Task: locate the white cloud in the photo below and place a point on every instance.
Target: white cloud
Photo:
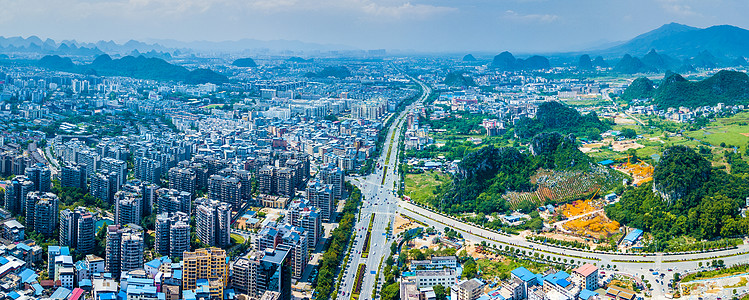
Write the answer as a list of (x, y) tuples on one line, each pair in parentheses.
[(676, 7), (529, 18), (405, 10)]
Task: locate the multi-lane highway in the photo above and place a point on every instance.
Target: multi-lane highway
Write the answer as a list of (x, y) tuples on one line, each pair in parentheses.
[(636, 265), (380, 201)]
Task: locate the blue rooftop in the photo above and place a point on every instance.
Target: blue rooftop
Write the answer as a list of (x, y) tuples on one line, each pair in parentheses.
[(633, 235), (61, 293), (38, 289), (188, 295), (107, 296), (586, 294), (84, 282), (559, 278), (28, 275), (23, 246), (606, 162), (523, 274), (156, 263)]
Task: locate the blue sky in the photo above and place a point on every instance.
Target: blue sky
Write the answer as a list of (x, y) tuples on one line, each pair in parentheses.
[(439, 25)]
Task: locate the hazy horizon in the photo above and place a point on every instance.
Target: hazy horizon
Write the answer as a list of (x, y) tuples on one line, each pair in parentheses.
[(422, 26)]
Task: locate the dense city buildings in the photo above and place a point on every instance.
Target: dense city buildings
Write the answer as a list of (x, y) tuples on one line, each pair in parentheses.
[(172, 200), (74, 176), (77, 230), (213, 219), (206, 264), (42, 212), (172, 234), (124, 248), (261, 271), (182, 179), (15, 194)]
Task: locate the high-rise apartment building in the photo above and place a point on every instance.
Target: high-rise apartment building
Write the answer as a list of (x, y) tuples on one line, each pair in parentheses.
[(182, 179), (127, 207), (147, 169), (285, 181), (266, 183), (124, 251), (321, 196), (41, 176), (78, 230), (302, 214), (263, 271), (335, 177), (89, 160), (225, 189), (286, 237), (209, 264), (41, 212), (171, 201), (15, 194), (213, 219), (104, 186), (116, 166), (172, 234), (73, 175)]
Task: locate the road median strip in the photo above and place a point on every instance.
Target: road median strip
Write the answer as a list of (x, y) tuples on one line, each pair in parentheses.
[(506, 243)]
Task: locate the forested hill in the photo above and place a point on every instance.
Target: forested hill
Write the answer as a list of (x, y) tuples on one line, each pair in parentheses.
[(689, 198), (555, 117), (135, 67), (485, 175), (729, 87)]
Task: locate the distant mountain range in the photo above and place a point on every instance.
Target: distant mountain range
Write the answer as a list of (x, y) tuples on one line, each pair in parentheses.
[(729, 87), (684, 41), (153, 48), (135, 67)]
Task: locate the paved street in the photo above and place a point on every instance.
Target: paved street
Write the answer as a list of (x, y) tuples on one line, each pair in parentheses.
[(380, 200), (638, 264)]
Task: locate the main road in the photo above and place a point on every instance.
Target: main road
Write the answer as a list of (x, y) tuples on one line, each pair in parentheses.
[(380, 203)]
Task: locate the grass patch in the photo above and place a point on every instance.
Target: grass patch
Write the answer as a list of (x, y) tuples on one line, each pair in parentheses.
[(237, 239), (501, 269), (724, 272), (598, 101), (421, 187)]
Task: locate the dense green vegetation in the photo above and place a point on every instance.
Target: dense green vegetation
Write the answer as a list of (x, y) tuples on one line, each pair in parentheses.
[(690, 199), (640, 88), (135, 67), (631, 65), (555, 117), (485, 175), (459, 79), (244, 63), (729, 87), (584, 62), (505, 61), (337, 244)]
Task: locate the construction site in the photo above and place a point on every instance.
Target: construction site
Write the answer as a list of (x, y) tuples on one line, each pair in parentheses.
[(640, 171)]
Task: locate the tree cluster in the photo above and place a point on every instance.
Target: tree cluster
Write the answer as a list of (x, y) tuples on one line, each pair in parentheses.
[(689, 198), (555, 117), (337, 244)]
